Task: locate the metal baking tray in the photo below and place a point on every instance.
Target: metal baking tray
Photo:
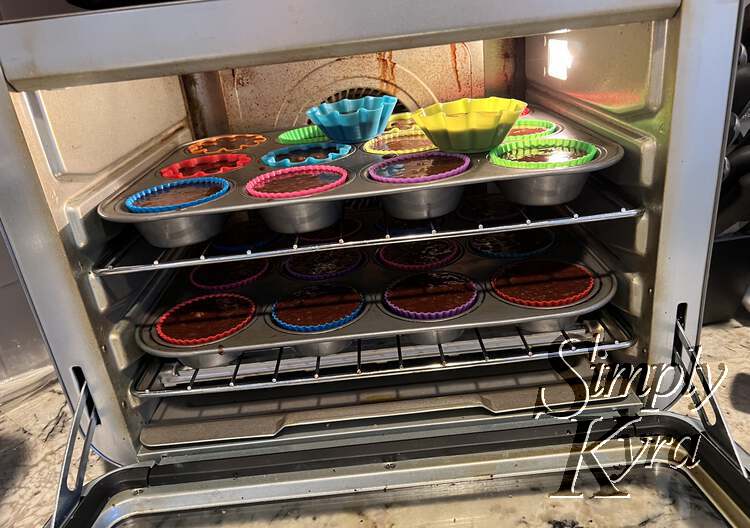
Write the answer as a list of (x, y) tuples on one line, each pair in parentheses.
[(371, 279), (358, 186)]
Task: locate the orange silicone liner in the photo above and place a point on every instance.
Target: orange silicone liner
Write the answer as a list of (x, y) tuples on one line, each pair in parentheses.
[(225, 144), (553, 303)]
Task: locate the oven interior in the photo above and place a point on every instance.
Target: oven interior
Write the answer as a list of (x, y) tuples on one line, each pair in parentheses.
[(89, 143)]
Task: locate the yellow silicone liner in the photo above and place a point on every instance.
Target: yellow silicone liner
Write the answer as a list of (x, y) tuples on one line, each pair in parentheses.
[(469, 125), (400, 117), (370, 145)]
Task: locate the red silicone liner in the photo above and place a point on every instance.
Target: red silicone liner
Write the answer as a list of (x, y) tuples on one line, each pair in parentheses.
[(261, 180), (174, 171), (207, 339), (419, 267), (229, 285), (556, 303), (465, 162)]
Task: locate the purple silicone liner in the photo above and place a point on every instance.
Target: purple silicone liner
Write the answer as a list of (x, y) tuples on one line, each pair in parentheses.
[(466, 161), (429, 316), (339, 273), (419, 267)]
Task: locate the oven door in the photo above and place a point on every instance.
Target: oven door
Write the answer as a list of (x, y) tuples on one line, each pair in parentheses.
[(551, 472)]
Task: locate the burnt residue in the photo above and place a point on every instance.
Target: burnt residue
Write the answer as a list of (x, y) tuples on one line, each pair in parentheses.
[(454, 66), (386, 69), (565, 523)]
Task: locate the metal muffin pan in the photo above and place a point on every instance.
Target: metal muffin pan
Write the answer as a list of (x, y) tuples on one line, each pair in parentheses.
[(359, 186), (371, 280)]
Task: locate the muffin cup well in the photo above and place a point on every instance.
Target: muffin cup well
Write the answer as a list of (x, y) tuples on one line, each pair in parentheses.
[(175, 170)]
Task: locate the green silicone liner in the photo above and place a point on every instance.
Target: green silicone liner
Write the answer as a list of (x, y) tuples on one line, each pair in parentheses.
[(532, 123), (497, 152), (303, 135)]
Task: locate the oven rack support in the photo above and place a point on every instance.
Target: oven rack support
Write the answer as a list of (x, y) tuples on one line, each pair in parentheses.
[(600, 333), (564, 215)]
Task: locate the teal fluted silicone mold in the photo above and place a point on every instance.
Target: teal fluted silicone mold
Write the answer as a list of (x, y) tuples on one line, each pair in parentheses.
[(353, 120)]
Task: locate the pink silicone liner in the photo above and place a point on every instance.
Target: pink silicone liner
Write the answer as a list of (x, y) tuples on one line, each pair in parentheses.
[(207, 339), (419, 267), (442, 314), (290, 172), (228, 285), (466, 161)]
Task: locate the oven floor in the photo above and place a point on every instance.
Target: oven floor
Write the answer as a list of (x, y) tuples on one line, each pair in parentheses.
[(33, 432)]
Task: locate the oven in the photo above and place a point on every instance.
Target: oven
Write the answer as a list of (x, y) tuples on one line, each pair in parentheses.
[(97, 102)]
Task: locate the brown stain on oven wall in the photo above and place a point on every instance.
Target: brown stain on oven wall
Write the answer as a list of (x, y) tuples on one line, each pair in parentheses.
[(386, 70), (454, 66)]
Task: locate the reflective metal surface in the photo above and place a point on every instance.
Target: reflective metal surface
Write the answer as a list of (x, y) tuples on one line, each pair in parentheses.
[(545, 190), (420, 205), (302, 217)]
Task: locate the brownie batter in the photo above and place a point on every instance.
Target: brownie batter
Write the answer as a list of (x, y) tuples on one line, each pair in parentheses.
[(423, 255), (226, 144), (405, 142), (543, 281), (206, 317), (526, 131), (208, 167), (317, 305), (518, 242), (178, 195), (298, 181), (544, 154), (324, 264), (217, 275), (431, 292), (420, 167), (299, 155)]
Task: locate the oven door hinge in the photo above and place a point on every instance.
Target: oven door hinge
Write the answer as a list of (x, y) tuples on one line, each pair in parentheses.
[(687, 356), (67, 499)]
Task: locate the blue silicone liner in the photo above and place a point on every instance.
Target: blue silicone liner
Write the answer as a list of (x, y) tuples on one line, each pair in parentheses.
[(353, 120), (164, 187), (517, 255), (270, 158), (322, 327)]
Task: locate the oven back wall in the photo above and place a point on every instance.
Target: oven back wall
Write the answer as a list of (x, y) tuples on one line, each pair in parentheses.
[(276, 96)]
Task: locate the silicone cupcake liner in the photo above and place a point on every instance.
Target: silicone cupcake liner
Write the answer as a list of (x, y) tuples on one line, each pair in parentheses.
[(195, 279), (225, 144), (130, 201), (469, 125), (562, 301), (353, 120), (372, 171), (393, 264), (403, 116), (515, 254), (207, 339), (289, 173), (548, 126), (324, 276), (234, 162), (270, 158), (321, 327), (372, 146), (351, 227), (590, 152), (303, 135), (526, 111), (429, 316)]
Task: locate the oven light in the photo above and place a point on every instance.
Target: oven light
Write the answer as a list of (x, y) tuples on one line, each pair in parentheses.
[(559, 59)]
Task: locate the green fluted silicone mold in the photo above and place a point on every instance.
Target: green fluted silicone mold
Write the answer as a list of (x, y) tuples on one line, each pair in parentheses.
[(469, 125), (549, 127), (496, 155), (303, 135)]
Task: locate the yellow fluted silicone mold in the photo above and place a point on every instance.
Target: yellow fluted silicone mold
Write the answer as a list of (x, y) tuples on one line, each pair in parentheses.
[(469, 125), (380, 145)]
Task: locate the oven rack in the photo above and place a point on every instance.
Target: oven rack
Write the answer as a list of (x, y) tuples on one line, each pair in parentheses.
[(596, 204), (383, 357)]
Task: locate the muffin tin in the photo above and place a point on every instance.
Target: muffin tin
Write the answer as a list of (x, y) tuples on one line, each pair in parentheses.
[(375, 321), (192, 220)]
